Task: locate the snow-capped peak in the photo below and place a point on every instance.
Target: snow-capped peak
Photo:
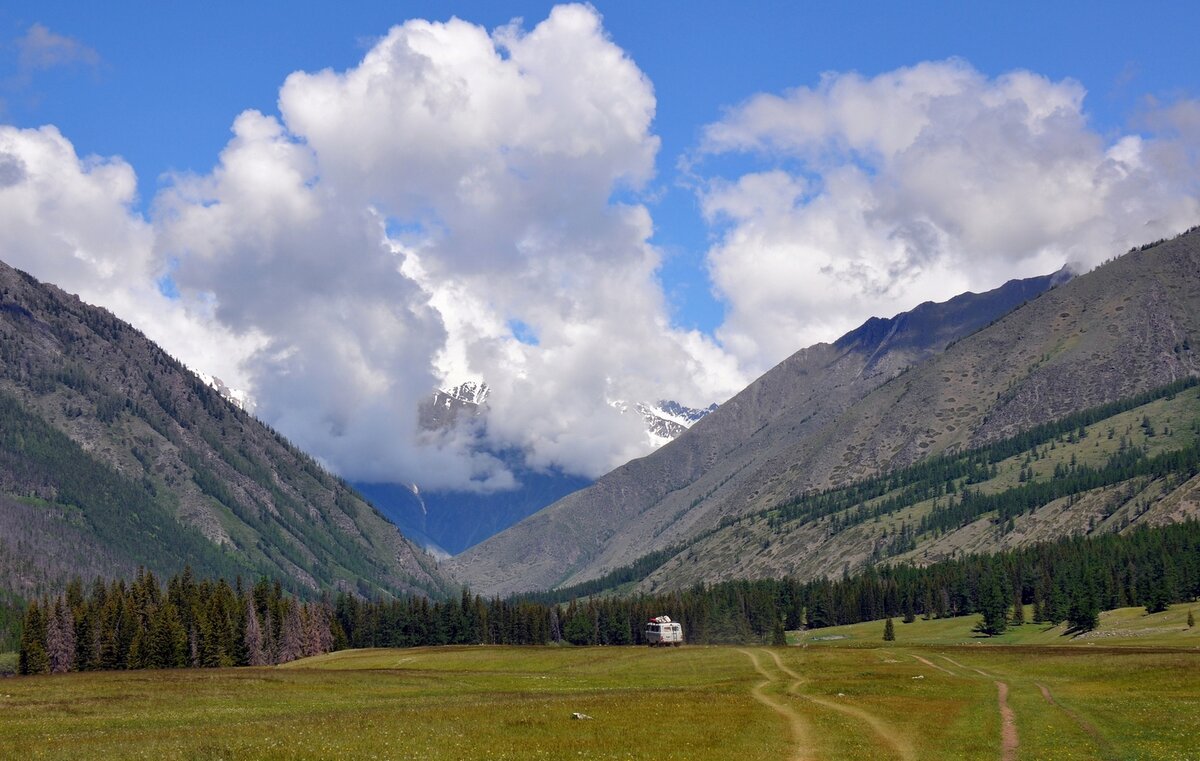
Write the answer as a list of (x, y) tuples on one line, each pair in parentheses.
[(471, 392), (665, 420), (239, 398)]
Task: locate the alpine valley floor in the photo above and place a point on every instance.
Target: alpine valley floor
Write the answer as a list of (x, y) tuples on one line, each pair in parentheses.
[(1131, 689)]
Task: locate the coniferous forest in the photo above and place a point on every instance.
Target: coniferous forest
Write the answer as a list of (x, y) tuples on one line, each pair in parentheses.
[(207, 623)]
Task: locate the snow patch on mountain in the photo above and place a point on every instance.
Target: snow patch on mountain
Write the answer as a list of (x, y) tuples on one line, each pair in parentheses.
[(664, 420), (238, 397), (469, 392)]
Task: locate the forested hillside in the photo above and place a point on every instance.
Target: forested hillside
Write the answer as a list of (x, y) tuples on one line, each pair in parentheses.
[(115, 456), (834, 414), (1100, 471), (209, 624)]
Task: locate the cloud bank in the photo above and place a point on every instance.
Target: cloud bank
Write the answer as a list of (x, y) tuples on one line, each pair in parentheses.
[(874, 194), (464, 203)]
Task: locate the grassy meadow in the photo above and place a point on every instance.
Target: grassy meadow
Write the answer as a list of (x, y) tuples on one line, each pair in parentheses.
[(1130, 691)]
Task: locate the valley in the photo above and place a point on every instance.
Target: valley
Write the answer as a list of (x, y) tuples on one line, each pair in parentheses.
[(838, 693), (599, 380)]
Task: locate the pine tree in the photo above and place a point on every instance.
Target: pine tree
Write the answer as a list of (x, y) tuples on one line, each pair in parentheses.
[(1191, 621), (167, 641), (255, 656), (993, 606), (1084, 614), (778, 636), (889, 630), (33, 658), (1018, 614), (60, 639), (291, 640)]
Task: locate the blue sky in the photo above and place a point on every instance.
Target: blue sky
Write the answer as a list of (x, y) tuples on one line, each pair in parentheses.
[(174, 75), (617, 203)]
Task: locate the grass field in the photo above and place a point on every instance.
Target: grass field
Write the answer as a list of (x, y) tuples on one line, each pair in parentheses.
[(925, 696)]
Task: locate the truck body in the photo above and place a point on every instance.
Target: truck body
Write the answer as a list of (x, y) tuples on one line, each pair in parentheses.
[(662, 631)]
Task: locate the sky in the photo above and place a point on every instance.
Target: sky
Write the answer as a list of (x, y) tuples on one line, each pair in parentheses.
[(339, 207)]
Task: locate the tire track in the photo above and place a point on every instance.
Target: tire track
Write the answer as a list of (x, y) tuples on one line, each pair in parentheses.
[(967, 668), (1009, 742), (934, 665), (796, 723), (1009, 739), (1102, 743), (888, 734)]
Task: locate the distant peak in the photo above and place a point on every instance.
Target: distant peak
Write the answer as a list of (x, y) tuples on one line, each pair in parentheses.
[(236, 396), (471, 392)]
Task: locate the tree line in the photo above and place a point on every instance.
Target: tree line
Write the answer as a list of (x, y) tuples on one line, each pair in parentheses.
[(208, 623), (187, 623)]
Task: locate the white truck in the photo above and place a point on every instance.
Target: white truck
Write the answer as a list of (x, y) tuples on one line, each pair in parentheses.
[(661, 630)]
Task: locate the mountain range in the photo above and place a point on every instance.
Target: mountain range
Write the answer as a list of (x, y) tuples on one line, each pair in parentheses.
[(939, 379), (1048, 406), (447, 522), (113, 456)]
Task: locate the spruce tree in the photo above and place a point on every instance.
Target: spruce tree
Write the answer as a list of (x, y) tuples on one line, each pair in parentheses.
[(1018, 614), (33, 658), (889, 630), (778, 636), (60, 639), (1084, 613), (993, 606), (253, 636), (291, 641)]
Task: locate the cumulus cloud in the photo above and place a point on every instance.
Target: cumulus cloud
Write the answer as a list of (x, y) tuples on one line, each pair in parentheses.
[(447, 210), (69, 221), (878, 193), (392, 226)]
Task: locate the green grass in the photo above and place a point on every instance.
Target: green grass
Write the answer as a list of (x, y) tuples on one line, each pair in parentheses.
[(445, 703), (1124, 627), (846, 698)]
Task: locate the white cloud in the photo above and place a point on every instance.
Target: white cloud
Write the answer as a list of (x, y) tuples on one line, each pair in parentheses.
[(445, 210), (490, 161), (878, 193), (69, 221)]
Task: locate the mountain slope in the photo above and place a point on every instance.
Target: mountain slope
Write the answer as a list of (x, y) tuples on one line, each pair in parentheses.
[(749, 452), (447, 522), (1106, 470), (113, 455), (451, 521)]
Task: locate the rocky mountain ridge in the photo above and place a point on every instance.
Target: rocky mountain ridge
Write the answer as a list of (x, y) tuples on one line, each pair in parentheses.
[(784, 434), (447, 522), (113, 451), (882, 397)]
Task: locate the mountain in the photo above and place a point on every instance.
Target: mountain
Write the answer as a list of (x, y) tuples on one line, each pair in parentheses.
[(448, 404), (239, 397), (665, 420), (447, 522), (940, 378), (113, 456)]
